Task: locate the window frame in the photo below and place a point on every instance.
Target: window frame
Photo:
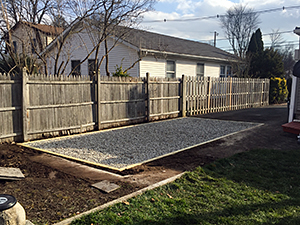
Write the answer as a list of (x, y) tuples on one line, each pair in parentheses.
[(227, 71), (172, 72), (14, 47), (77, 71), (200, 75), (33, 45), (90, 62), (224, 72)]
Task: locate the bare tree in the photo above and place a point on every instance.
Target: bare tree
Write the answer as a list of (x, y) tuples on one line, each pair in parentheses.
[(102, 24), (30, 13), (276, 39), (287, 54), (99, 21), (238, 24)]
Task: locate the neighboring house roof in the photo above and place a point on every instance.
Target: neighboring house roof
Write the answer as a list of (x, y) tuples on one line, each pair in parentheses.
[(149, 41), (47, 29), (157, 43)]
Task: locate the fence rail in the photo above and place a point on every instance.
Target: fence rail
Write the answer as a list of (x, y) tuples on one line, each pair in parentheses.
[(33, 106), (209, 95)]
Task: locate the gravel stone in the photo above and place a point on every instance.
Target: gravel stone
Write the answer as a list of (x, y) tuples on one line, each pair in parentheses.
[(120, 148)]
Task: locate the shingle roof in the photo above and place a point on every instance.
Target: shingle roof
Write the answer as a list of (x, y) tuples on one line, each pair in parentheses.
[(158, 42), (146, 41), (48, 29)]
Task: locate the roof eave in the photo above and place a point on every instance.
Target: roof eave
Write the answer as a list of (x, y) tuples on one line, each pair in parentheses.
[(60, 36), (189, 56)]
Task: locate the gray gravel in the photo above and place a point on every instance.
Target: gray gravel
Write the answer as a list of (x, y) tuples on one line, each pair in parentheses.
[(120, 148)]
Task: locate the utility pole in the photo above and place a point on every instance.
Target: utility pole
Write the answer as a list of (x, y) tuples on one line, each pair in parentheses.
[(215, 38)]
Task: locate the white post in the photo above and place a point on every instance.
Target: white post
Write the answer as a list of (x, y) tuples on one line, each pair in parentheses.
[(25, 103), (293, 98)]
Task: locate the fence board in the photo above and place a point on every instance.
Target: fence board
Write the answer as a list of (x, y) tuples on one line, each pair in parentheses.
[(122, 99), (59, 104), (10, 107), (207, 95), (55, 105)]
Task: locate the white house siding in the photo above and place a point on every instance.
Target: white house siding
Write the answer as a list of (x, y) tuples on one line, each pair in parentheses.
[(187, 68), (212, 69), (78, 46), (23, 35), (155, 66), (122, 55)]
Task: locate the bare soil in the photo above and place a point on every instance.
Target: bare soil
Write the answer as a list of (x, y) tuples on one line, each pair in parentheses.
[(56, 188)]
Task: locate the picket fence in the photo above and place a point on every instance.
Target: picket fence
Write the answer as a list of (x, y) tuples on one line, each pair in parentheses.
[(36, 106)]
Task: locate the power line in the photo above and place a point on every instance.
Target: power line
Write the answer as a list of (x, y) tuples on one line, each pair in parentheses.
[(218, 16), (225, 39), (265, 45)]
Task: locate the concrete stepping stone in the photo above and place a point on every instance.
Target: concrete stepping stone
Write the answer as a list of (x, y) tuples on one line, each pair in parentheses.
[(9, 173), (106, 186)]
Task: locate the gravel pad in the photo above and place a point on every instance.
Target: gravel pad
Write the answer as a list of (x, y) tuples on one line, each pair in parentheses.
[(120, 148)]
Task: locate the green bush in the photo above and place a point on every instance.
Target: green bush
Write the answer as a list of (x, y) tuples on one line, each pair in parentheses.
[(278, 90), (120, 72)]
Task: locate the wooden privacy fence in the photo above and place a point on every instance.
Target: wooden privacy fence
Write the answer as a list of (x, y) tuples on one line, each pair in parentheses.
[(33, 106)]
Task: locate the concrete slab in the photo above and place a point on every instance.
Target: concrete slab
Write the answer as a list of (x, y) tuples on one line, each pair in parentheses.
[(106, 186), (9, 173)]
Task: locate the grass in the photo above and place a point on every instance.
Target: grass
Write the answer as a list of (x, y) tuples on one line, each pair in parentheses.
[(255, 187)]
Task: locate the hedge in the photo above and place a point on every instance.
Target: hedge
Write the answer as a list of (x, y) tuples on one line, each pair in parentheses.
[(278, 90)]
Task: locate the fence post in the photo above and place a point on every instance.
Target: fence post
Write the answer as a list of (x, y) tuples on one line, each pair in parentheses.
[(230, 93), (148, 96), (209, 94), (98, 101), (183, 96), (262, 92), (25, 102), (268, 90)]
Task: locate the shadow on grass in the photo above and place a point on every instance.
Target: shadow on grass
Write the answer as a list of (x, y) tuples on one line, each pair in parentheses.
[(272, 170)]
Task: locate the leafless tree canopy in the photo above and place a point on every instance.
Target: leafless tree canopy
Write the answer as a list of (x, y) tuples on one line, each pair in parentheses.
[(238, 24), (103, 16), (276, 39)]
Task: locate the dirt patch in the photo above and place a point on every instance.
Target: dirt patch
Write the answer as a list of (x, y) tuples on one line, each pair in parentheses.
[(55, 188)]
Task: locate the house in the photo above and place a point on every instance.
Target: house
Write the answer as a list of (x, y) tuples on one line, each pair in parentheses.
[(28, 38), (141, 51), (293, 125), (294, 99)]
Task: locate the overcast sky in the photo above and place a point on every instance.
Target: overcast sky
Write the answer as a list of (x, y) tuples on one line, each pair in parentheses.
[(203, 29)]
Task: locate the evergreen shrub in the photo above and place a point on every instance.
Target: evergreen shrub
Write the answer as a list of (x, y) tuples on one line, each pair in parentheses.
[(278, 90)]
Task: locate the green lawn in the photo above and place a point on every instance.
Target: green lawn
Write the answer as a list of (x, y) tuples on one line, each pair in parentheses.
[(255, 187)]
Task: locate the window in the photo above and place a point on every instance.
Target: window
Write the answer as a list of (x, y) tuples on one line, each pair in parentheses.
[(33, 45), (14, 50), (200, 70), (222, 71), (75, 67), (225, 71), (228, 71), (170, 69), (91, 67)]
